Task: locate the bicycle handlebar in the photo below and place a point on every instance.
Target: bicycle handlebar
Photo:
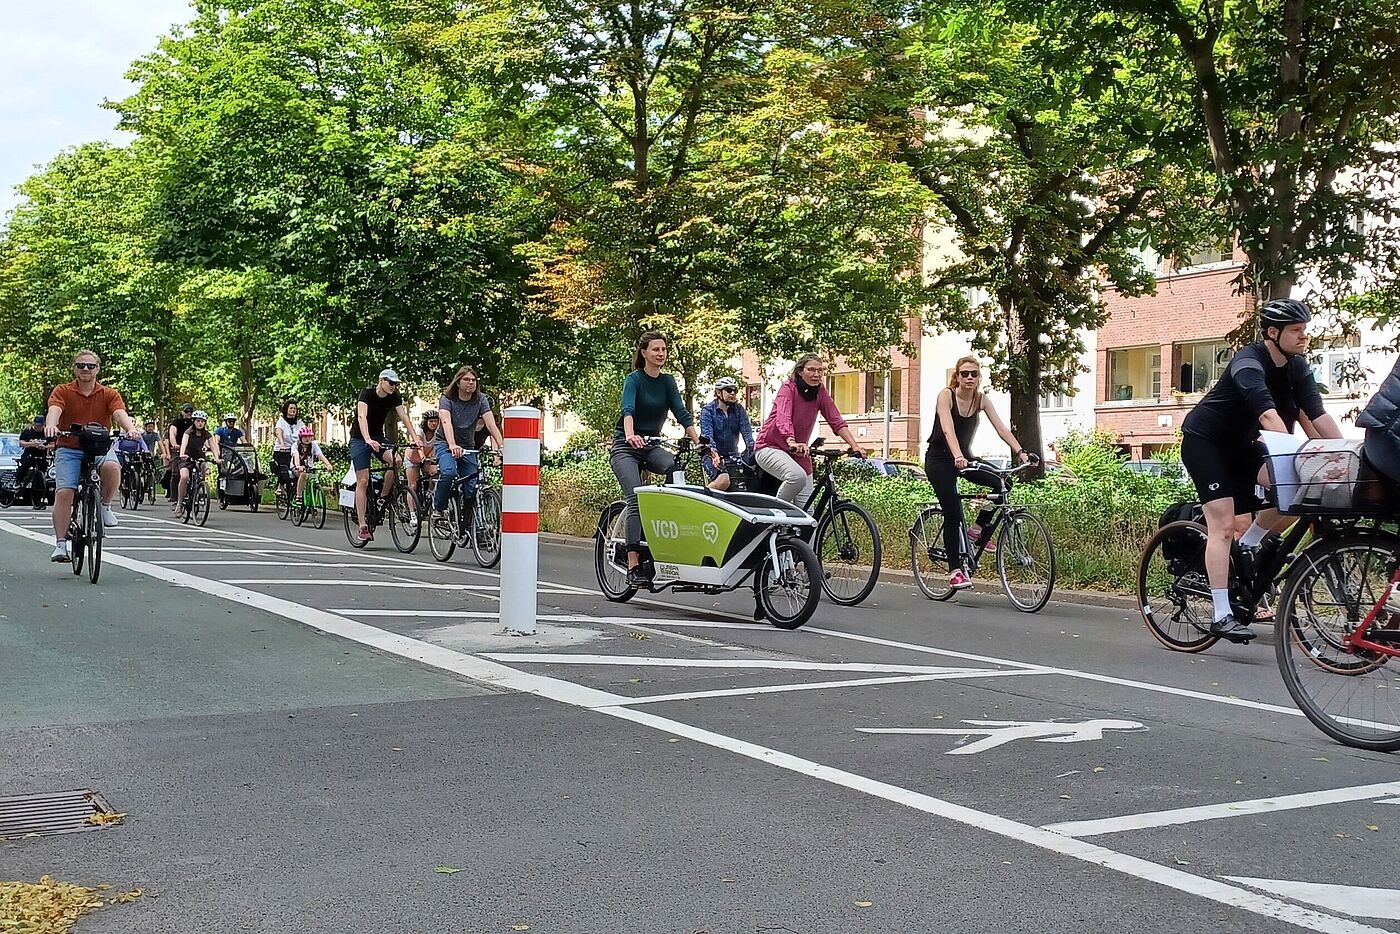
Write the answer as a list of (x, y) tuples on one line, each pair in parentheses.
[(976, 464)]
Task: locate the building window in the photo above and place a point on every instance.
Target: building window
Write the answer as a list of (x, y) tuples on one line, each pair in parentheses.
[(1058, 399), (1134, 374), (845, 391), (753, 399), (1202, 363), (875, 392), (558, 421), (1337, 368)]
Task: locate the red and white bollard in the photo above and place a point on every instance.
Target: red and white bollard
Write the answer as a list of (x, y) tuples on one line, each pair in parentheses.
[(520, 519)]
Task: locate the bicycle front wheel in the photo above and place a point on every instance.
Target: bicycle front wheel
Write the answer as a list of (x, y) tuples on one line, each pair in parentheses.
[(1347, 693), (849, 551), (788, 591), (1025, 561), (95, 533), (352, 528), (928, 557), (1172, 589), (282, 499), (318, 507), (486, 530), (404, 526), (442, 531), (79, 527), (300, 510), (201, 503)]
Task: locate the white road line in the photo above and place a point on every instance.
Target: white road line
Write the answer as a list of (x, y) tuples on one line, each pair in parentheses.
[(1356, 900), (822, 685), (607, 703), (276, 564), (774, 664), (1091, 828), (415, 585)]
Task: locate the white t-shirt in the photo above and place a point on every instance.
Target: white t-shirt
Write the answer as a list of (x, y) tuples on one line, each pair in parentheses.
[(315, 457), (286, 434)]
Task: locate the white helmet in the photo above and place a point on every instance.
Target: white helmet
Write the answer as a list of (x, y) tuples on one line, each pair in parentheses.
[(200, 413), (229, 417), (726, 382)]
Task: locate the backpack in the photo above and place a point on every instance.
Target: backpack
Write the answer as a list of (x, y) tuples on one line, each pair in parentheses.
[(1179, 551)]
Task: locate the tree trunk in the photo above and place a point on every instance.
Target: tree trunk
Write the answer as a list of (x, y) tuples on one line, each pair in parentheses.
[(162, 380), (249, 392)]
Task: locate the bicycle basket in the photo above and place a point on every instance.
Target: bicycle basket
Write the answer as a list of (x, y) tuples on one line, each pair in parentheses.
[(95, 440), (743, 476), (1330, 476)]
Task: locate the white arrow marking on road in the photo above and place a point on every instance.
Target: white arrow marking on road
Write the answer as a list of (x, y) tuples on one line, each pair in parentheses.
[(1355, 900), (1001, 732)]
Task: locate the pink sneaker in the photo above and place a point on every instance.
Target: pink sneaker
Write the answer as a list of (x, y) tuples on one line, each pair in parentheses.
[(364, 533), (959, 580)]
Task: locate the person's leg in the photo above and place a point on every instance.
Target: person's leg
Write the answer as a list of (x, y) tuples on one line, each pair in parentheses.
[(111, 473), (1215, 472), (792, 479), (67, 464), (943, 477), (392, 463), (447, 475), (184, 484), (626, 463), (471, 470), (301, 484)]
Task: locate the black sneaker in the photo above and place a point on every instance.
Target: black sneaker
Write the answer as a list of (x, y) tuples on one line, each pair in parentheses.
[(637, 579), (1232, 629)]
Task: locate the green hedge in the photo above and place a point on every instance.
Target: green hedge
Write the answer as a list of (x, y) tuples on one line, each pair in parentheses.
[(1098, 524)]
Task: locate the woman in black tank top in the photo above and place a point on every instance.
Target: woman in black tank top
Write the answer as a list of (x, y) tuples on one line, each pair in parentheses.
[(956, 415)]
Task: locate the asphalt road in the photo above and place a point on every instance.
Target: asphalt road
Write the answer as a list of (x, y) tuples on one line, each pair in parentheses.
[(302, 733)]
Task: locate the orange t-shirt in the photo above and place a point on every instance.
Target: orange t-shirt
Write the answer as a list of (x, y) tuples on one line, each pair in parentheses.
[(79, 409)]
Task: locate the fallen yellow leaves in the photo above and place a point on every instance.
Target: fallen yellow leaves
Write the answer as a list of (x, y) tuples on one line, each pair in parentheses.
[(50, 907), (102, 818)]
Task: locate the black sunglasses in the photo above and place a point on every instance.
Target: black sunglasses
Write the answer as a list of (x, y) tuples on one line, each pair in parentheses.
[(969, 373), (86, 366)]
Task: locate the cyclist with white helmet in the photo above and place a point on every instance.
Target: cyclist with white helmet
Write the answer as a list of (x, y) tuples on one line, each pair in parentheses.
[(306, 453), (724, 421), (197, 439), (229, 433), (1266, 385)]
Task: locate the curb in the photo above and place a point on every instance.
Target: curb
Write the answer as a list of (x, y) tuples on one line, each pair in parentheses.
[(1098, 598)]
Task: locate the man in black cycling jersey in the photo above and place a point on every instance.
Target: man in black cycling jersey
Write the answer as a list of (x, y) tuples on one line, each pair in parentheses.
[(1268, 385)]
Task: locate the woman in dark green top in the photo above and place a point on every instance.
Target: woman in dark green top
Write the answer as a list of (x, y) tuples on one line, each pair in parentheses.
[(648, 395)]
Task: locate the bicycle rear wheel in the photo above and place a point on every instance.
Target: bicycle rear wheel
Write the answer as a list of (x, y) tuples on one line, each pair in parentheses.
[(849, 550), (352, 527), (1025, 561), (318, 506), (928, 557), (77, 534), (1349, 694), (404, 526), (282, 500), (486, 529), (609, 558), (1172, 589)]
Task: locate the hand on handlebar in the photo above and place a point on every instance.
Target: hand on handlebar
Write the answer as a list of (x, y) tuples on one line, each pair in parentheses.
[(637, 441), (373, 445), (960, 462)]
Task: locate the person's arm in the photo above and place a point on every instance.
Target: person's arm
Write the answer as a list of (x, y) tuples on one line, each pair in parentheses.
[(629, 410), (944, 409), (183, 442), (408, 425), (707, 421), (1311, 412), (1017, 452), (214, 446), (489, 418), (746, 431), (54, 414), (449, 433), (781, 415), (323, 459), (848, 436), (1324, 426), (362, 416)]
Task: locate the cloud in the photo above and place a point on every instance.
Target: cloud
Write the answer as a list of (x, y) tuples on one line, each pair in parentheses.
[(59, 59)]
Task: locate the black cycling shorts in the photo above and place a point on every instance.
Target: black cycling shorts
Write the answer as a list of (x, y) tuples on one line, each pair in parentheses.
[(1221, 470)]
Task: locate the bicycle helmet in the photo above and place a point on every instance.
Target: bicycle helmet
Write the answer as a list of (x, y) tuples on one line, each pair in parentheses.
[(726, 382), (1279, 313), (431, 413), (305, 432), (230, 417), (200, 414)]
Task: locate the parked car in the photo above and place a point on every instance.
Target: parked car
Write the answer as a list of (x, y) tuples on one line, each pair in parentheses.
[(9, 466), (1054, 470), (894, 468)]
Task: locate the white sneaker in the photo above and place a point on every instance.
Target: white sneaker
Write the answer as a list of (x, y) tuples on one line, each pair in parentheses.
[(60, 553), (109, 518)]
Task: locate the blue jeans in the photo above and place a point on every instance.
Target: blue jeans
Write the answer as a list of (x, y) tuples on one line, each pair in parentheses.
[(68, 464), (448, 469)]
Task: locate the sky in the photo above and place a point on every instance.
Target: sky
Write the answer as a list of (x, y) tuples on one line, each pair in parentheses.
[(59, 59)]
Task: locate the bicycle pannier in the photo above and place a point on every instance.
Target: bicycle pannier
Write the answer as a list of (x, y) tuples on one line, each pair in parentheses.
[(95, 440), (1180, 550)]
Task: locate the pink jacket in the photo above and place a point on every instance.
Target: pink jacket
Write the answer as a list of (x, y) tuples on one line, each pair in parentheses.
[(795, 417)]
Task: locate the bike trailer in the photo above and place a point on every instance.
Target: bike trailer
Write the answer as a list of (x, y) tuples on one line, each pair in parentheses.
[(240, 480), (700, 527)]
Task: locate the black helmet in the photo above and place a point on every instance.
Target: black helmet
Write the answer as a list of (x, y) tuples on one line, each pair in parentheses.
[(1281, 312)]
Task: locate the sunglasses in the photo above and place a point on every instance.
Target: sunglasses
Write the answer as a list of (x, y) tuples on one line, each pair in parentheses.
[(432, 418), (392, 382), (85, 366), (970, 374), (728, 389)]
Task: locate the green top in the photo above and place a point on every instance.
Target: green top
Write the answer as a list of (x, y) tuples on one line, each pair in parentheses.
[(647, 399)]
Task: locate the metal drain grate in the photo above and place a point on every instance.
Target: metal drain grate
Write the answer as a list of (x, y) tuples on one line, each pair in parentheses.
[(55, 812)]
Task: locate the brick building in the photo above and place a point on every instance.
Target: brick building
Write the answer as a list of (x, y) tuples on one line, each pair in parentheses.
[(1157, 354)]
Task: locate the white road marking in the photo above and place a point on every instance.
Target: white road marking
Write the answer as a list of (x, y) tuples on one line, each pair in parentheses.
[(823, 685), (773, 664), (277, 564), (607, 703), (1000, 732), (402, 584), (1309, 799), (1358, 901)]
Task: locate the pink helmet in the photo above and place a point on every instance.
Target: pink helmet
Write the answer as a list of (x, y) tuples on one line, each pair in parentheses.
[(304, 432)]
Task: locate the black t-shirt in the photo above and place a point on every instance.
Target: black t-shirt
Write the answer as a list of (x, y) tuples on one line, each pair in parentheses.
[(378, 411), (196, 441), (1249, 387), (181, 425), (32, 434)]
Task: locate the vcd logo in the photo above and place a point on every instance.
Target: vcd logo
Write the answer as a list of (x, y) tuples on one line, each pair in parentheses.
[(664, 528)]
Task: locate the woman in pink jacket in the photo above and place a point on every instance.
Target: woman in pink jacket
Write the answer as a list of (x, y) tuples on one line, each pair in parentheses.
[(783, 449)]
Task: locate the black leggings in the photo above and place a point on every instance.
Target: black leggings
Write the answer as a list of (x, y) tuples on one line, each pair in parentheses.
[(943, 476)]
